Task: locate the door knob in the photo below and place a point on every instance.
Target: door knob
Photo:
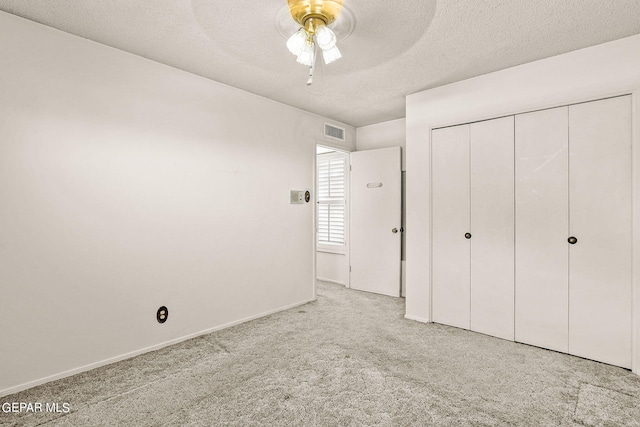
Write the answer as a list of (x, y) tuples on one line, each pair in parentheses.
[(572, 240), (467, 235), (394, 230)]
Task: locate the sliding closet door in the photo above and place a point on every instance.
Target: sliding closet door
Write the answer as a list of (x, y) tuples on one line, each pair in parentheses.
[(542, 220), (600, 207), (450, 222), (492, 227)]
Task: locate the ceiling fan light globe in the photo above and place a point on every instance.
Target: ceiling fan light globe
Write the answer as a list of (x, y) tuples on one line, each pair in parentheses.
[(331, 55), (325, 38), (306, 56), (297, 42)]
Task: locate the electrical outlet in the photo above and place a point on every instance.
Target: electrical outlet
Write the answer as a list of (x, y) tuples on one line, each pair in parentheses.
[(162, 314)]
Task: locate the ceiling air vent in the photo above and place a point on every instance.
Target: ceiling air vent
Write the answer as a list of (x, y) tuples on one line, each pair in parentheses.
[(333, 132)]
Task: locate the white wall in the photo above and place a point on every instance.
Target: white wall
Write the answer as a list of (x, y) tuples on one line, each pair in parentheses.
[(332, 267), (384, 135), (608, 69), (126, 185)]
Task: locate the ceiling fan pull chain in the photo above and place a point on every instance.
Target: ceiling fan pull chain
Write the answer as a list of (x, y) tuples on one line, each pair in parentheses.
[(310, 79), (313, 64)]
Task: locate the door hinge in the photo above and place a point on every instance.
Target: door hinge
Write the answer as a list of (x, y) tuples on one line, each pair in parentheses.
[(349, 269)]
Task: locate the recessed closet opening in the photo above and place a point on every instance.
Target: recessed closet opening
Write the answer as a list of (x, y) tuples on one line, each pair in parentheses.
[(531, 228)]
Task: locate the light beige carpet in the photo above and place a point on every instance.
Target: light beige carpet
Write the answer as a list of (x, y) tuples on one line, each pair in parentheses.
[(347, 359)]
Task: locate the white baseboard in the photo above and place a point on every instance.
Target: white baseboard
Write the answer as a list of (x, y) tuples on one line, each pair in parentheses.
[(30, 384), (337, 282), (416, 318)]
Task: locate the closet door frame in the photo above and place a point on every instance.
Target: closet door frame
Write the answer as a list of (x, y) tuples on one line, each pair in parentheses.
[(635, 226), (562, 96)]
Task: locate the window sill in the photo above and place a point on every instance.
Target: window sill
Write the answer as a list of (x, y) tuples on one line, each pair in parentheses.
[(337, 251)]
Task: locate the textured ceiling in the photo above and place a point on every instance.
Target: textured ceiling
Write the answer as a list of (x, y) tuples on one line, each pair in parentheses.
[(396, 47)]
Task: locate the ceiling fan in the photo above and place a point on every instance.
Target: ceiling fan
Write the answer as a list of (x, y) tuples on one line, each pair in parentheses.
[(314, 18)]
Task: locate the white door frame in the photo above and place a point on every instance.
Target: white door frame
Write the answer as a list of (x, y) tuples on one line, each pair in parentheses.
[(346, 251)]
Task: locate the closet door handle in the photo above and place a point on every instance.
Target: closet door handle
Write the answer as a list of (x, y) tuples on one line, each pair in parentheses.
[(467, 235), (572, 240)]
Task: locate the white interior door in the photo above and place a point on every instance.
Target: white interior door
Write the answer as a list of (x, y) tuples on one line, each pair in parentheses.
[(600, 295), (542, 218), (492, 227), (451, 278), (376, 204)]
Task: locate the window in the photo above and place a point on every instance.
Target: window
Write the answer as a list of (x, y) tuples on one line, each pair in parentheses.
[(332, 189)]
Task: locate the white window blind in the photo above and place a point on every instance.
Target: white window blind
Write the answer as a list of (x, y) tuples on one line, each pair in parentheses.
[(331, 198)]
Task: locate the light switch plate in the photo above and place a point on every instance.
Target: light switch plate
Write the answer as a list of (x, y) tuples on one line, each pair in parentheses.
[(297, 197)]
